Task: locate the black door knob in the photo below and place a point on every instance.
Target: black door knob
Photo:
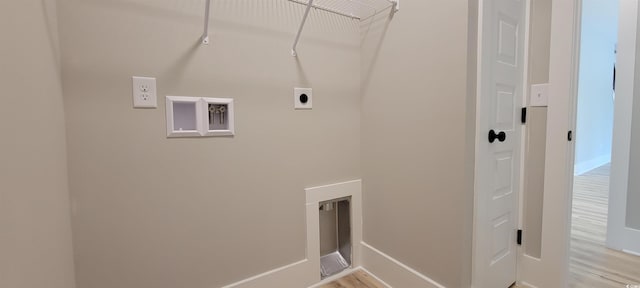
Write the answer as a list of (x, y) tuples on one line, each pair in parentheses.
[(500, 136)]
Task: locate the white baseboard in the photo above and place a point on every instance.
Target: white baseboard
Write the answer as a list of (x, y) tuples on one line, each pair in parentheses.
[(306, 273), (385, 284), (384, 268), (526, 285), (294, 275), (588, 165), (394, 273), (631, 252)]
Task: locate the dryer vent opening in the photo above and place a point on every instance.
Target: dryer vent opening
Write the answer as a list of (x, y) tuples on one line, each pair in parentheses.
[(335, 236)]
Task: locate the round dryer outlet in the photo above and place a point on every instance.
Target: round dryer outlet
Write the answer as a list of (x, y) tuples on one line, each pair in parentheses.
[(303, 98)]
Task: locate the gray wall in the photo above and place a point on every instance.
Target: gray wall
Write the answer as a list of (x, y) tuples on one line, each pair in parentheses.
[(35, 227), (418, 135), (539, 44), (594, 129), (633, 192), (632, 219), (158, 212)]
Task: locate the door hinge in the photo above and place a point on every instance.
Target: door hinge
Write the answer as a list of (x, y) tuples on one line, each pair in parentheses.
[(523, 115), (519, 237)]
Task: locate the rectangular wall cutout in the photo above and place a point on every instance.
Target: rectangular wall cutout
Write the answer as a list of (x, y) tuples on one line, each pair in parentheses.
[(199, 117), (335, 236)]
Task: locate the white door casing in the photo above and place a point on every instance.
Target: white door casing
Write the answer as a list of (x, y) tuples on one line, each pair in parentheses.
[(619, 236), (552, 268), (501, 68)]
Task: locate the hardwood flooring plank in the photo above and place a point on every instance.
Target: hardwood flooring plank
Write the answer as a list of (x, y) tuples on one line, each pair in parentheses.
[(592, 264)]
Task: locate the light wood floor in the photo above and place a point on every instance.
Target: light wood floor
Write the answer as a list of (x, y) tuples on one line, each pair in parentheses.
[(592, 264), (358, 279)]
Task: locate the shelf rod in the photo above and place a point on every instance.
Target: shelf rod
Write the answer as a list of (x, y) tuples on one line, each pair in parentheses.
[(326, 9), (205, 35), (304, 20)]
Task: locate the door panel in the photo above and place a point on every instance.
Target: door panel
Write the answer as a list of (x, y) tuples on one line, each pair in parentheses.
[(498, 163), (622, 232)]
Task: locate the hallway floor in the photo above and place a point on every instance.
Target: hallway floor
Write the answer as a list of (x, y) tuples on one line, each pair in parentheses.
[(592, 264)]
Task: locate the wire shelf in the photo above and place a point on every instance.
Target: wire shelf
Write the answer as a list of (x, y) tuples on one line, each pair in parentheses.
[(356, 9)]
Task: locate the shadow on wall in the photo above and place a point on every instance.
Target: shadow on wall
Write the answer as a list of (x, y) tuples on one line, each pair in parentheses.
[(175, 72), (49, 14), (377, 25), (246, 14), (275, 18)]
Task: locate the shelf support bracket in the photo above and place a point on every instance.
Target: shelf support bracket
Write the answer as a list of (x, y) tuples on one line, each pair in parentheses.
[(395, 7), (304, 20), (205, 35)]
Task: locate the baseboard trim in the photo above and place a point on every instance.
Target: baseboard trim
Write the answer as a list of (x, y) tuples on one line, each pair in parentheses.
[(524, 284), (375, 262), (294, 275), (306, 273), (586, 166), (394, 272), (376, 277)]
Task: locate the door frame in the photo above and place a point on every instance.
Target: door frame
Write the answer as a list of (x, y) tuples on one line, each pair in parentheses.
[(564, 67), (552, 269), (619, 236)]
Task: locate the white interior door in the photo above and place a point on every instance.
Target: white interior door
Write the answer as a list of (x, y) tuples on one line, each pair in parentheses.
[(498, 139), (620, 235)]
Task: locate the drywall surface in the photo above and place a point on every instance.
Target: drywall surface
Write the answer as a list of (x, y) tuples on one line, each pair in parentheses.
[(535, 144), (206, 212), (540, 41), (35, 227), (633, 192), (632, 219), (595, 88), (416, 139)]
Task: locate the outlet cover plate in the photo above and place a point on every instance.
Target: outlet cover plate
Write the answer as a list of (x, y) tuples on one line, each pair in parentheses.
[(298, 100), (539, 96), (144, 92)]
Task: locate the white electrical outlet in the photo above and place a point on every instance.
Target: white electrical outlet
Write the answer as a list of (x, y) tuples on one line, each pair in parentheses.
[(303, 98), (144, 92)]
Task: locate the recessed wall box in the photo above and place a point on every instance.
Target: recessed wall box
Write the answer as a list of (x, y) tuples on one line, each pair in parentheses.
[(199, 116), (220, 117), (335, 236), (184, 116)]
